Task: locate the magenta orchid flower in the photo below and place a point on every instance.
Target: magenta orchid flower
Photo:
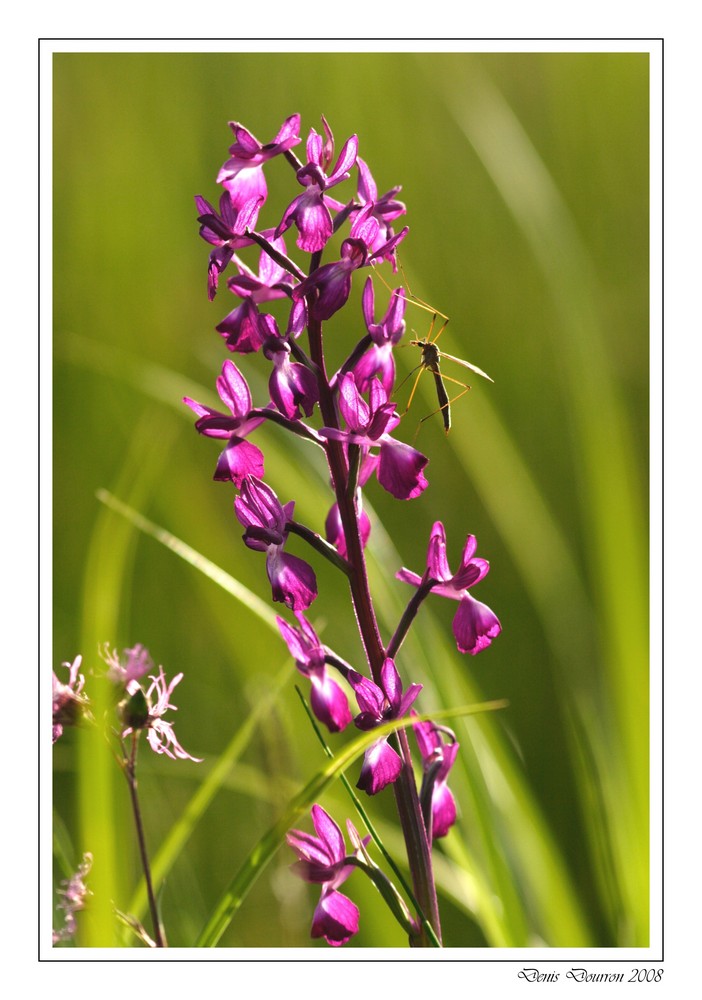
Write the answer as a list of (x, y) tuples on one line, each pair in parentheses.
[(225, 231), (271, 282), (381, 764), (257, 507), (309, 211), (69, 704), (240, 458), (385, 209), (400, 467), (474, 625), (328, 701), (242, 174), (241, 328), (332, 282), (438, 758), (322, 860), (244, 329), (378, 361), (293, 387)]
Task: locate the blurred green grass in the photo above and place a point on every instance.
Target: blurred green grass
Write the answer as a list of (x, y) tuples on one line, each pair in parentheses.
[(526, 181)]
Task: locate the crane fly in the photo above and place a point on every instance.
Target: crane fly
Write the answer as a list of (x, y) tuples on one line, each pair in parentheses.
[(431, 361)]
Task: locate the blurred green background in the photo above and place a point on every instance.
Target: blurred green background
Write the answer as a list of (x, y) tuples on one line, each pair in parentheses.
[(526, 183)]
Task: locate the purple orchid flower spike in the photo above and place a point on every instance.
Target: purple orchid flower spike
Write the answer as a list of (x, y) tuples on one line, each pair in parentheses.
[(322, 860), (378, 361), (225, 231), (438, 757), (240, 458), (400, 467), (69, 704), (328, 701), (332, 282), (257, 507), (293, 387), (381, 764), (474, 625), (380, 245), (242, 174), (309, 211)]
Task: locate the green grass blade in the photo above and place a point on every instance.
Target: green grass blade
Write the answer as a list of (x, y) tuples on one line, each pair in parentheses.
[(107, 571), (190, 555)]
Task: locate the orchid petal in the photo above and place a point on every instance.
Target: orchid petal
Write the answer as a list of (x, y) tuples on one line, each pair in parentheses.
[(335, 918), (400, 469), (293, 581), (475, 625), (381, 767)]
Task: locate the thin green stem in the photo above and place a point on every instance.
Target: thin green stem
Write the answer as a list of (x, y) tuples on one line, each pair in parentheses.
[(409, 615), (294, 426), (320, 545)]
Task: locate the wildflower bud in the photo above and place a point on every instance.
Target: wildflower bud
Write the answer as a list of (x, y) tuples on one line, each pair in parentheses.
[(69, 712), (134, 710)]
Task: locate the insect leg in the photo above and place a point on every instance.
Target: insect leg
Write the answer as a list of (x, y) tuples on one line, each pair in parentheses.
[(445, 403), (414, 388)]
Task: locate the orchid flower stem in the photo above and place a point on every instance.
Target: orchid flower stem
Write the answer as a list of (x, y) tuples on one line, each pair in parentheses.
[(335, 661), (321, 546), (408, 616), (300, 355), (387, 890), (405, 788), (355, 355), (292, 160), (417, 843), (130, 773), (288, 265), (295, 426), (341, 217)]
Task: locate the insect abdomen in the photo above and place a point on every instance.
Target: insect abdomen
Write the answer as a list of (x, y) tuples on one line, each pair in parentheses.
[(443, 400)]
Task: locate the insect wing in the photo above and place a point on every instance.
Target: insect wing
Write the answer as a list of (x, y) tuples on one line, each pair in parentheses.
[(466, 364)]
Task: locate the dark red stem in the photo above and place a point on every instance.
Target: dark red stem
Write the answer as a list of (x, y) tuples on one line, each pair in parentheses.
[(405, 788)]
